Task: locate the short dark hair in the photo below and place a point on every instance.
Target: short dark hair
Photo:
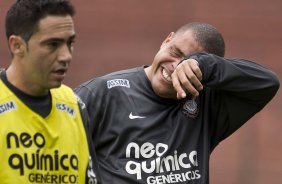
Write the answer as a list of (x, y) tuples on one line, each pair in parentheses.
[(207, 36), (24, 15)]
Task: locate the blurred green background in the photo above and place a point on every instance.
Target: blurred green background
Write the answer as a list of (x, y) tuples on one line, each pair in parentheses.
[(119, 34)]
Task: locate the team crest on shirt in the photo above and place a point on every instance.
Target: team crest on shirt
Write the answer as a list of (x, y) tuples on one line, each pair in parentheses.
[(190, 108)]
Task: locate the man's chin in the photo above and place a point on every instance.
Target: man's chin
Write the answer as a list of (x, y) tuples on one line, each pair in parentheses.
[(56, 85)]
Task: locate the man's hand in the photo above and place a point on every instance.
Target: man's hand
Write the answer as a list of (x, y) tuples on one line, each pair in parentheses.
[(186, 78)]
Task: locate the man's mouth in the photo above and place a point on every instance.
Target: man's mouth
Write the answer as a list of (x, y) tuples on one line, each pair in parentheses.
[(166, 75), (61, 73)]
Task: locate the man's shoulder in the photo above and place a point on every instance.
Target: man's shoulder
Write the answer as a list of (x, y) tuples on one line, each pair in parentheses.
[(126, 72), (118, 75), (64, 93)]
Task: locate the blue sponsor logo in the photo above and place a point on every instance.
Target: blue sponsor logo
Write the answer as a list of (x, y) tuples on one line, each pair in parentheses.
[(66, 108), (8, 106)]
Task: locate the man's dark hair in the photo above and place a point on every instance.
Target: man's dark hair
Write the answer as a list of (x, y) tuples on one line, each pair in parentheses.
[(24, 15), (207, 36)]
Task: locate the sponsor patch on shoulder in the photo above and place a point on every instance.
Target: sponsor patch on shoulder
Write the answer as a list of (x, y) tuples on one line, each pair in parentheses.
[(65, 108), (118, 82), (190, 108), (7, 106)]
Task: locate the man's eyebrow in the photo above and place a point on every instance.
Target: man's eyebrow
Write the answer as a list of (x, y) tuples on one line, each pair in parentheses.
[(55, 39), (179, 51)]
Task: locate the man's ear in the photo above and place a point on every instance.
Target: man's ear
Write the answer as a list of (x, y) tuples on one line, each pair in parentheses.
[(17, 45)]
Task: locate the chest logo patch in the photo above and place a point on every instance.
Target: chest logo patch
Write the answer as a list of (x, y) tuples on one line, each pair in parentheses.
[(131, 116), (190, 108), (118, 82)]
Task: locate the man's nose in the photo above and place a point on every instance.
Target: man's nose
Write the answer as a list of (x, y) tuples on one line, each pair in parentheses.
[(65, 54)]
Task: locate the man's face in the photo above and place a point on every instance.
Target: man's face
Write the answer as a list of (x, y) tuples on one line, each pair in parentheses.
[(172, 51), (49, 53)]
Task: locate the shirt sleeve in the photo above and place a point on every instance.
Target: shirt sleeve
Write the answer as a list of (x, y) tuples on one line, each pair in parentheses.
[(93, 168), (236, 88), (87, 107)]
